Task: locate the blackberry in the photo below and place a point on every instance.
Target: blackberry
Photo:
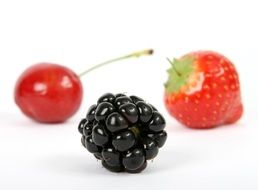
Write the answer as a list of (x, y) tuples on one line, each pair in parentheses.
[(123, 132)]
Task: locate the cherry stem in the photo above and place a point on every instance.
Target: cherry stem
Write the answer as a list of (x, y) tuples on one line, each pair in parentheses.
[(135, 54), (173, 66)]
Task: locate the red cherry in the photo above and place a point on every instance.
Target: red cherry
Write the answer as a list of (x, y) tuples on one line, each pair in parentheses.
[(51, 93), (48, 93)]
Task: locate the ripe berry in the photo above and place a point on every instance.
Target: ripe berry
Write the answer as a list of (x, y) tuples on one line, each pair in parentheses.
[(51, 93), (124, 132), (203, 90)]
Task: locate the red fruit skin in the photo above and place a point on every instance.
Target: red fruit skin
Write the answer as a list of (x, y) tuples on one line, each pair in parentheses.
[(48, 93), (217, 102)]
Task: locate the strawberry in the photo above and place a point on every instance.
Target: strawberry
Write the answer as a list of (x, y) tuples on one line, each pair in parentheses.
[(203, 91)]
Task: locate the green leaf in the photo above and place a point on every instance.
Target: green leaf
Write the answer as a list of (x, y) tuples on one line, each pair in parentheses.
[(179, 73)]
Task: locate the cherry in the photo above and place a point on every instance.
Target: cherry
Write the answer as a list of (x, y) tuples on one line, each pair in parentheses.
[(52, 93), (48, 93)]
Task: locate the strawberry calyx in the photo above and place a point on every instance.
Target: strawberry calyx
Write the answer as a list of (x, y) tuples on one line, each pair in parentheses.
[(179, 74)]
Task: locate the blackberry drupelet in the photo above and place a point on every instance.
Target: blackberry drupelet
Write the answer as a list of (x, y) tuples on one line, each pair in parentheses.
[(123, 132)]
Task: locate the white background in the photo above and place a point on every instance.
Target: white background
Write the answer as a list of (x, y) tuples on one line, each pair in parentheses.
[(79, 34)]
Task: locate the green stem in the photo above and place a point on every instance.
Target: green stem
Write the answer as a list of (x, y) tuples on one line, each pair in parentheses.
[(135, 54)]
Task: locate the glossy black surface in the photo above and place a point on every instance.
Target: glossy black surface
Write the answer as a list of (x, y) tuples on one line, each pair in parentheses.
[(98, 155), (157, 123), (111, 156), (150, 147), (136, 99), (130, 112), (91, 147), (124, 140), (159, 138), (99, 135), (123, 132), (145, 111), (112, 168), (140, 169), (134, 159), (108, 97), (122, 100), (103, 110), (90, 116), (116, 122), (81, 125), (87, 130)]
